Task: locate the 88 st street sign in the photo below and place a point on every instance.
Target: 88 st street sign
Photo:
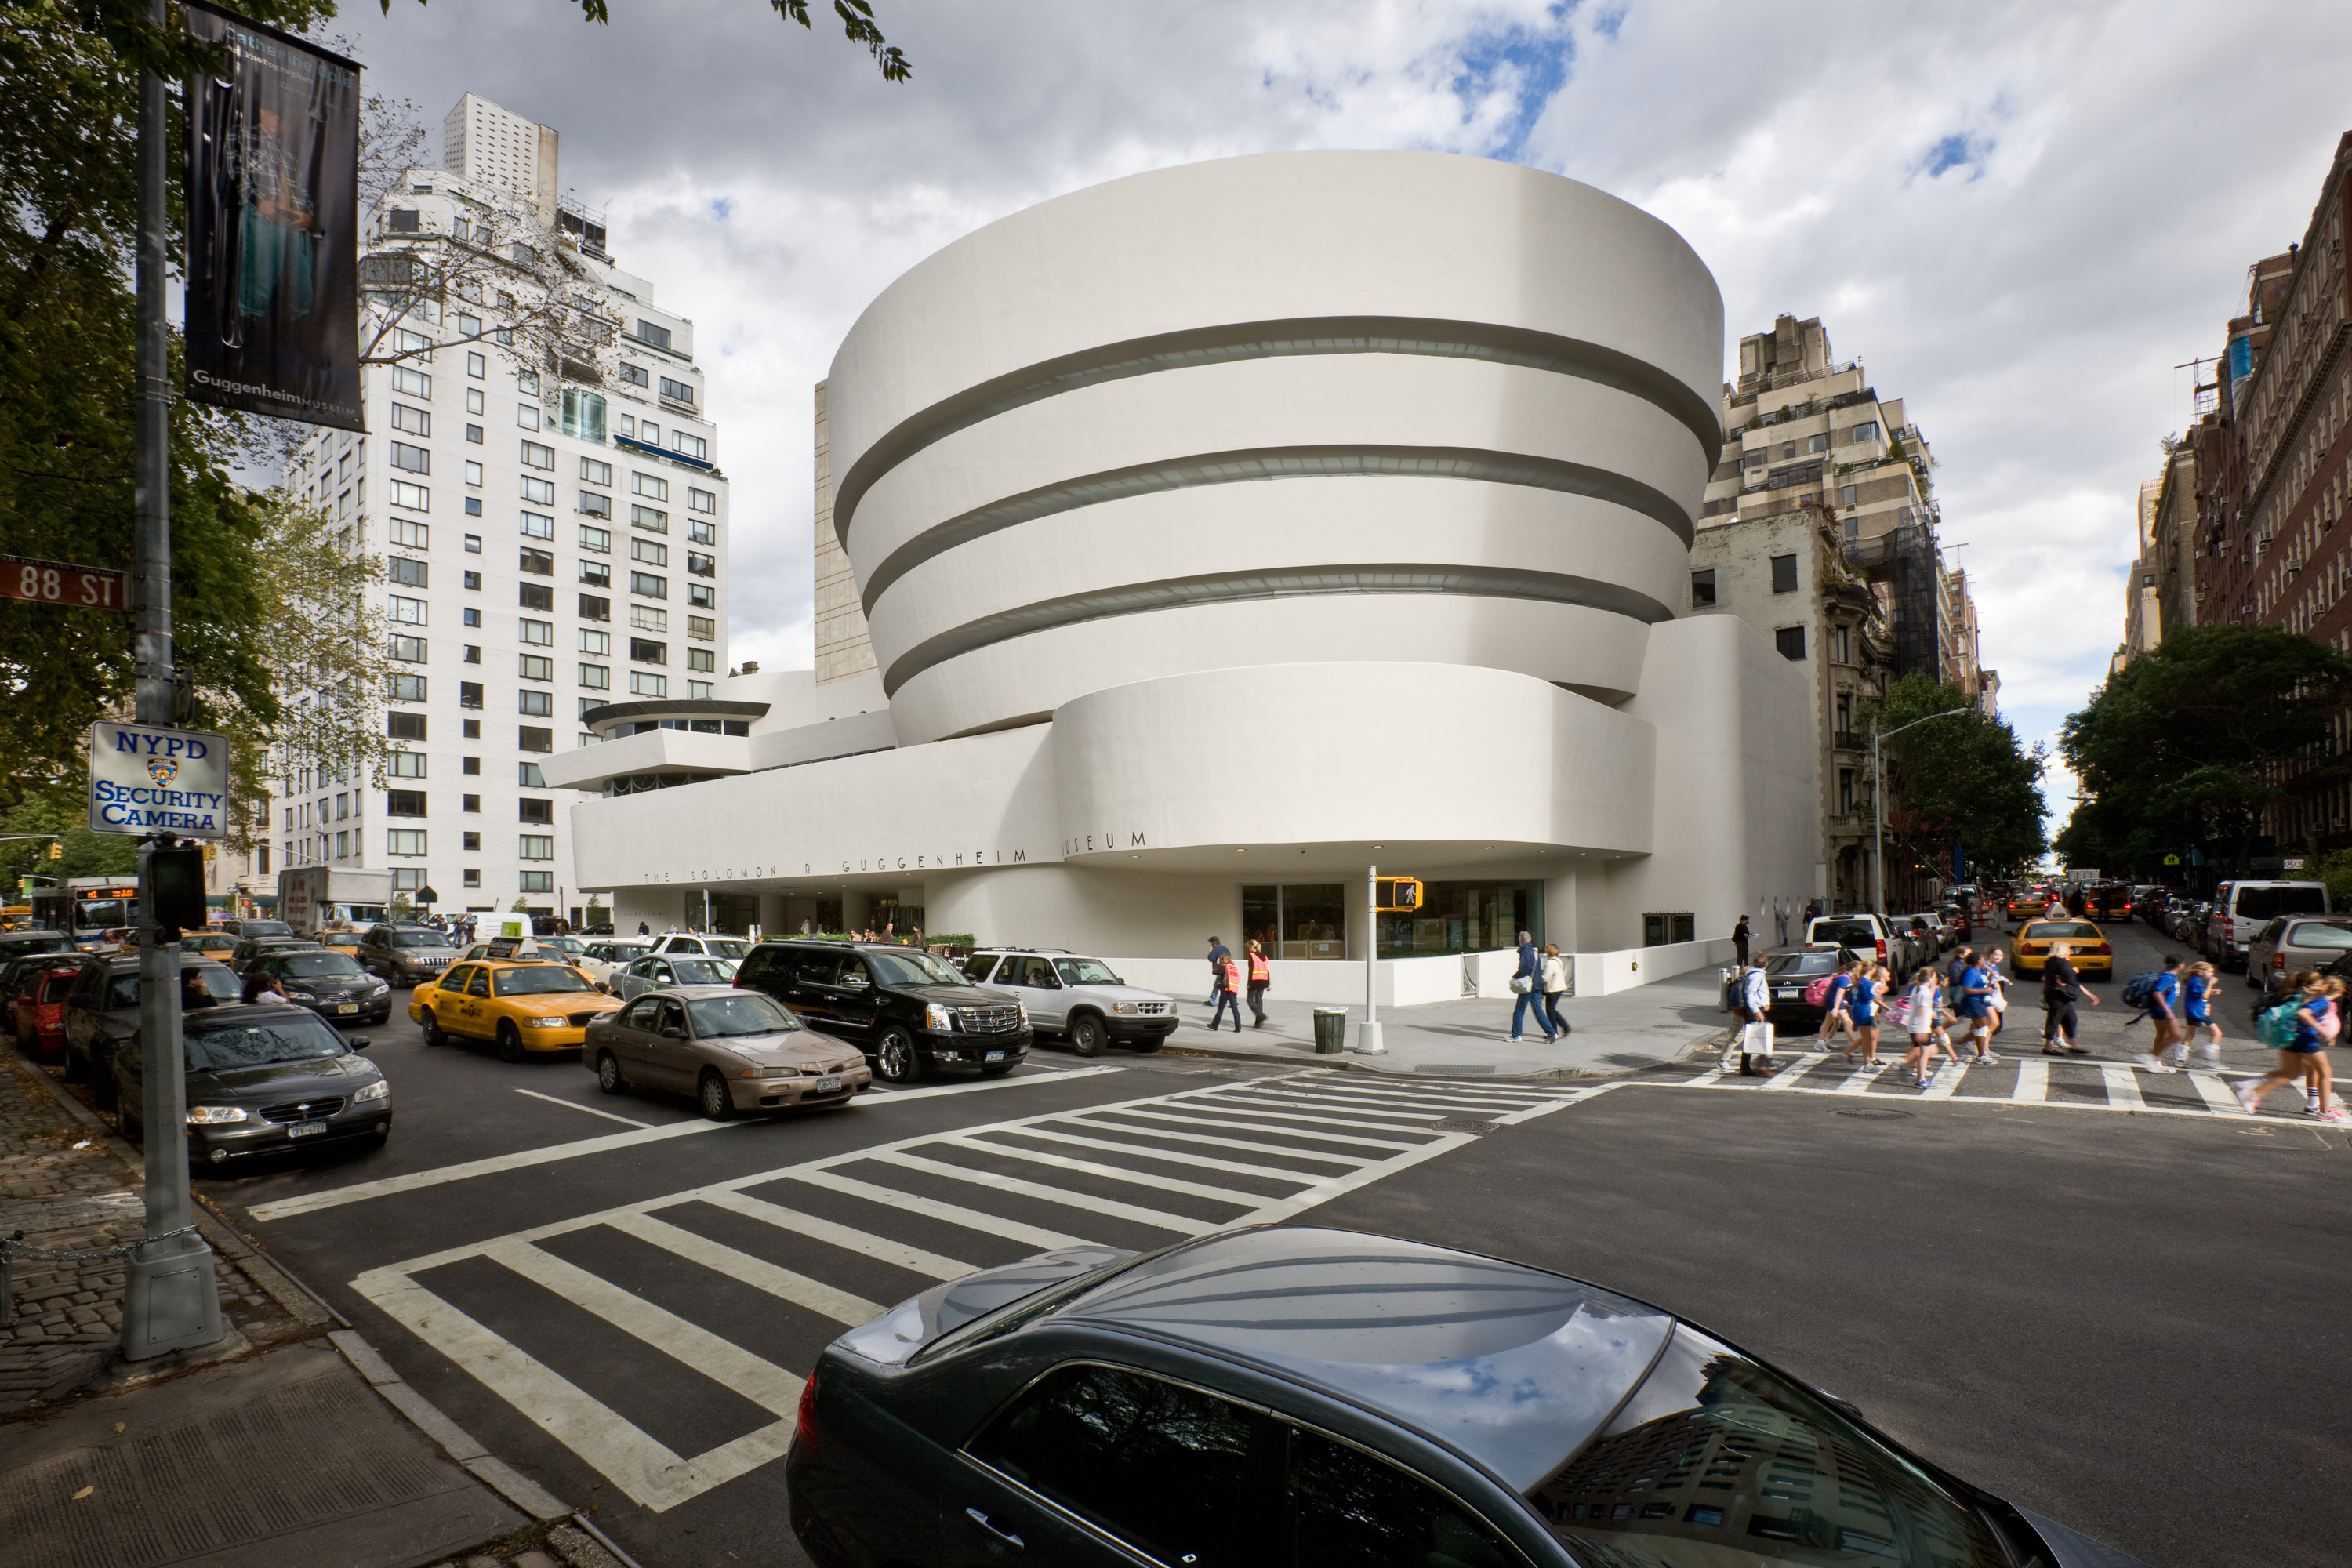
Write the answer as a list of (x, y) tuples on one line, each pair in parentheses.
[(146, 778)]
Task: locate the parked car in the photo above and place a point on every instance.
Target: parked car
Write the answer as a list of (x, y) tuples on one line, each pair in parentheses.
[(249, 948), (1867, 934), (1788, 971), (525, 1007), (26, 943), (102, 1016), (1077, 998), (243, 929), (733, 947), (605, 959), (2290, 943), (2087, 949), (1192, 1405), (2279, 991), (527, 951), (330, 984), (2240, 911), (21, 972), (211, 943), (732, 1051), (266, 1079), (1930, 926), (910, 1013), (406, 954), (658, 972), (37, 988)]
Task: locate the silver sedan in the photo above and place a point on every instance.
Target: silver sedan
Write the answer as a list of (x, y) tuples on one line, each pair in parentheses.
[(659, 971)]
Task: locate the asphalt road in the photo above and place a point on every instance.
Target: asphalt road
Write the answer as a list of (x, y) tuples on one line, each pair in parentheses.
[(2126, 1319)]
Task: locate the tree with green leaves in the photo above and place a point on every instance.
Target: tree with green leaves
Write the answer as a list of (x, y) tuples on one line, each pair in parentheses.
[(1961, 779), (2191, 742)]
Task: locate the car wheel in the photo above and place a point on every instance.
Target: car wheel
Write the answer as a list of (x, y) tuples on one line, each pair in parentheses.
[(718, 1105), (608, 1074), (76, 1068), (1087, 1035), (433, 1035), (101, 1086), (896, 1060), (510, 1043)]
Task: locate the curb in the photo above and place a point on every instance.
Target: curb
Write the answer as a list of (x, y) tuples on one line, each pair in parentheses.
[(1347, 1061), (426, 1416)]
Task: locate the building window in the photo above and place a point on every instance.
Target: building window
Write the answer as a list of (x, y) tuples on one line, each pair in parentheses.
[(414, 382), (647, 652), (404, 689), (527, 775), (406, 220), (404, 803), (474, 472), (539, 492), (701, 627), (473, 650), (598, 677), (1790, 641), (593, 608), (648, 585), (535, 846), (702, 565), (535, 704), (1865, 432), (696, 690), (584, 414), (527, 416), (535, 881), (702, 596), (540, 633), (472, 727), (535, 597), (469, 694), (698, 531), (414, 421), (404, 841), (415, 497), (692, 445), (1784, 574), (594, 505), (408, 650), (471, 841), (535, 667), (644, 684), (477, 366), (701, 658), (532, 738), (406, 612), (595, 642), (473, 544), (404, 726), (1702, 588), (1846, 494), (538, 563), (1845, 713), (406, 764), (652, 485), (410, 535), (646, 618), (701, 500), (1845, 792), (472, 878), (541, 812), (407, 572), (652, 551), (1842, 645), (634, 374), (652, 520), (649, 333), (596, 539), (677, 390), (1817, 443), (414, 459)]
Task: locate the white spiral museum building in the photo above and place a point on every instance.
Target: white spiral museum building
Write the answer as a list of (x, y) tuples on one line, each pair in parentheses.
[(1218, 531)]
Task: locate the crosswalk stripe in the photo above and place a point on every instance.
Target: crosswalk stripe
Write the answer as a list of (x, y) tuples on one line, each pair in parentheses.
[(1127, 1174), (1946, 1082), (722, 1361), (1090, 1204), (2122, 1088), (1710, 1076), (1323, 1156), (2032, 1081), (1296, 1116), (1861, 1078), (1203, 1162), (1788, 1076), (1422, 1099), (758, 1272), (1399, 1119), (1034, 1235), (2217, 1094), (881, 1249)]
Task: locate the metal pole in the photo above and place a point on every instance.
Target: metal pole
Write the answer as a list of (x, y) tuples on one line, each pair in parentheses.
[(170, 1298), (1368, 1034), (1877, 834)]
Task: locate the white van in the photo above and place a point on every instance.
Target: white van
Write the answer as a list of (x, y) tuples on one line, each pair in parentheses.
[(2240, 911)]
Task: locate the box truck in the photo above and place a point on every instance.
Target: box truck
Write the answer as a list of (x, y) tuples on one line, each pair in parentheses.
[(312, 897)]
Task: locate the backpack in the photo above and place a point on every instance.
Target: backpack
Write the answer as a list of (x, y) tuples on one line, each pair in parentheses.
[(2140, 990), (2277, 1026), (1818, 993)]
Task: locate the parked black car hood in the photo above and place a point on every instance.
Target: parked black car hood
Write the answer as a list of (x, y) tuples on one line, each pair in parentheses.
[(323, 1077), (955, 995)]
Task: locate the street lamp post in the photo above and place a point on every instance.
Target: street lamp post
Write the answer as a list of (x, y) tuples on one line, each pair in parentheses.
[(1878, 809)]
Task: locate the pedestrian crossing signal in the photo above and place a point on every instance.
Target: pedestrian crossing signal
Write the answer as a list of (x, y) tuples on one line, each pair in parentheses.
[(1396, 895)]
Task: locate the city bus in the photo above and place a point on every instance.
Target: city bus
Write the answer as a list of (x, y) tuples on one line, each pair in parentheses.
[(86, 908)]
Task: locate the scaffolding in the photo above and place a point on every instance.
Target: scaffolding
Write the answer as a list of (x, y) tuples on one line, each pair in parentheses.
[(1907, 559)]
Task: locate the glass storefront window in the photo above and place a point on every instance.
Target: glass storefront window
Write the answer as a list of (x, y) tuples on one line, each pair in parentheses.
[(1299, 920), (1464, 917)]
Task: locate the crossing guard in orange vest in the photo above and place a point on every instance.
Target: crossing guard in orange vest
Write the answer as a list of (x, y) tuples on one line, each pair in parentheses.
[(1260, 977)]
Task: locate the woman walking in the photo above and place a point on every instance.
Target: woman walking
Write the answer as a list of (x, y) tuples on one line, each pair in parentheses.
[(1834, 1007), (2317, 1023), (1260, 977), (1921, 1005), (1865, 1010), (2062, 987), (1554, 975)]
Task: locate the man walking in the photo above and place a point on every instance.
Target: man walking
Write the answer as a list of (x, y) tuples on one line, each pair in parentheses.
[(1528, 985), (1228, 993), (1738, 943), (2061, 988), (1752, 1001), (1218, 953), (1260, 977)]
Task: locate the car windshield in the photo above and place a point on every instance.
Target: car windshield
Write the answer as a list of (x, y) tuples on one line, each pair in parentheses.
[(722, 947), (311, 966), (208, 944), (283, 1038), (1715, 1460), (569, 944), (1845, 933), (419, 939), (907, 966), (539, 980), (716, 1017), (1796, 963), (265, 928), (2313, 934), (703, 970), (2059, 931), (2267, 903), (1086, 971)]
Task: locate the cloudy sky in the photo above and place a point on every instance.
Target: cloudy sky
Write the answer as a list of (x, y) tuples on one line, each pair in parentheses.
[(2022, 216)]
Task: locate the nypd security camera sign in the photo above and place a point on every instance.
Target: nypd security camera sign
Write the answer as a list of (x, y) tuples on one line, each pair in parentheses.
[(145, 779)]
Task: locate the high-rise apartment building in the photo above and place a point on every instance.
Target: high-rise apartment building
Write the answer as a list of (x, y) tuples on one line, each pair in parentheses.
[(540, 480)]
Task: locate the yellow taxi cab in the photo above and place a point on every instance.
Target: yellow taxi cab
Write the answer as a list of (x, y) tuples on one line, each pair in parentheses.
[(524, 1007), (2087, 948), (2027, 902), (340, 941)]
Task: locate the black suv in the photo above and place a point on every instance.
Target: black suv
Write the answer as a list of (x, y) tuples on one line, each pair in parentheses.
[(910, 1013), (403, 955)]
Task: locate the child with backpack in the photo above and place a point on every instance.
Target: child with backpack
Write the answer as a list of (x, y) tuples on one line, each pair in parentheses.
[(1833, 1000), (2197, 988), (2302, 1038)]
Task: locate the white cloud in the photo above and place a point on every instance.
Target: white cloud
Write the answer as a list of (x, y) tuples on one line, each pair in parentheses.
[(2021, 215)]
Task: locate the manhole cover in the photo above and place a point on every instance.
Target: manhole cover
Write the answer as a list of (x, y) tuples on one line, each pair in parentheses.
[(1464, 1124), (1878, 1115)]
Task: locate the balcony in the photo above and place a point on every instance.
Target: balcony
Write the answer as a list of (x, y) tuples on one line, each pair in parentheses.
[(1850, 741)]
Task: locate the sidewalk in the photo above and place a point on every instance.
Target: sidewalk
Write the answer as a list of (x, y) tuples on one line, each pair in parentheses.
[(1647, 1026), (270, 1447)]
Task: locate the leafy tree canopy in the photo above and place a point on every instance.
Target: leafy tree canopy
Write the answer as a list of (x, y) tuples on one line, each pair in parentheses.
[(1963, 777)]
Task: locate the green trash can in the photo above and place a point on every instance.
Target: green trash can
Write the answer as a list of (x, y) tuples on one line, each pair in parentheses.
[(1330, 1031)]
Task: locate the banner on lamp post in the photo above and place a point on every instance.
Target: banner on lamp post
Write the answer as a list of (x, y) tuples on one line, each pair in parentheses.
[(273, 226)]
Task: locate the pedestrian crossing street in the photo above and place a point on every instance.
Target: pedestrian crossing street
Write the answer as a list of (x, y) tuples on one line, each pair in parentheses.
[(2076, 1082), (654, 1340)]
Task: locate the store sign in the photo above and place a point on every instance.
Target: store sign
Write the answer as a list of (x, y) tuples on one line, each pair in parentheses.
[(146, 778)]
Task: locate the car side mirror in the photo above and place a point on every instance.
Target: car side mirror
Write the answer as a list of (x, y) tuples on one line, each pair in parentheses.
[(360, 1042), (673, 1033)]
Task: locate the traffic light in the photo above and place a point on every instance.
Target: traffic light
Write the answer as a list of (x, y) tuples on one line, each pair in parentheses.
[(176, 876), (56, 848)]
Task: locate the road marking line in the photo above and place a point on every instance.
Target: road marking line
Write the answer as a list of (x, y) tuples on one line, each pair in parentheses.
[(1371, 1101), (1038, 1190), (590, 1109), (758, 1272), (722, 1361), (309, 1203), (1448, 1096), (1322, 1157), (1265, 1116), (2123, 1089), (2032, 1081), (1709, 1075), (1945, 1082), (1400, 1120), (954, 1213), (1143, 1150), (2219, 1097), (1861, 1078), (1128, 1174), (1786, 1079), (881, 1249)]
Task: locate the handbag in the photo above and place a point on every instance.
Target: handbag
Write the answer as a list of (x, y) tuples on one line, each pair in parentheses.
[(1522, 983)]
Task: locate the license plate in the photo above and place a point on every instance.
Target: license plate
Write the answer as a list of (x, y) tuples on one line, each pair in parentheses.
[(348, 1007), (829, 1085), (996, 1056), (306, 1129), (1788, 996)]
